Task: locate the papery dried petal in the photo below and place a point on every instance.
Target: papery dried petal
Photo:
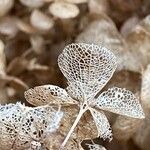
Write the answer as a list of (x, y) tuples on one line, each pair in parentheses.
[(41, 21), (48, 94), (120, 101), (125, 127), (87, 66)]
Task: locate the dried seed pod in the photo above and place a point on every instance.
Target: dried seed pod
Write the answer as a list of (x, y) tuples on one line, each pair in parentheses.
[(104, 32), (41, 21), (32, 3), (5, 6), (124, 127), (138, 42), (63, 10), (8, 26), (145, 94), (98, 6)]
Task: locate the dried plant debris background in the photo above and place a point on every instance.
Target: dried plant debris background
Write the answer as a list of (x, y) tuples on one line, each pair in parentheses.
[(33, 33)]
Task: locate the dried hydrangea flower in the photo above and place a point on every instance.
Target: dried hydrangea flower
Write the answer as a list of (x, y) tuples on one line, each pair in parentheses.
[(23, 127), (88, 68)]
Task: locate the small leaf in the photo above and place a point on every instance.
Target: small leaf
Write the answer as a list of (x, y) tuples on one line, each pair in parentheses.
[(120, 101), (48, 94), (102, 124)]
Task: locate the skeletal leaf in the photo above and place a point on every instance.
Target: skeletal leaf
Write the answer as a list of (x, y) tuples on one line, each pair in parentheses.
[(102, 124), (88, 66), (124, 127), (41, 21), (120, 101), (48, 94), (145, 94), (63, 10), (24, 127)]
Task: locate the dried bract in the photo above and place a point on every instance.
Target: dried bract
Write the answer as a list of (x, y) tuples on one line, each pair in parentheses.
[(145, 94), (88, 68), (27, 128), (32, 3), (5, 6), (41, 21), (63, 10)]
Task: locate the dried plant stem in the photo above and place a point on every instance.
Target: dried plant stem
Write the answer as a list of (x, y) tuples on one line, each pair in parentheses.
[(81, 112)]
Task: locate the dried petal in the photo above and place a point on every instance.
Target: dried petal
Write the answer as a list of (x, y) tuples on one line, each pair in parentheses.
[(88, 67), (75, 1), (8, 26), (33, 3), (5, 6), (41, 21), (120, 101), (145, 94), (48, 94), (102, 124), (138, 42), (106, 34), (125, 127), (63, 10)]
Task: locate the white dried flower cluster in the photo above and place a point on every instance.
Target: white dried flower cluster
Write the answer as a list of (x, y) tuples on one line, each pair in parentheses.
[(26, 128), (88, 68)]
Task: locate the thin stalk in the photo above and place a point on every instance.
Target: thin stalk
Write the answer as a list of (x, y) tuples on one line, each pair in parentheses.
[(81, 112)]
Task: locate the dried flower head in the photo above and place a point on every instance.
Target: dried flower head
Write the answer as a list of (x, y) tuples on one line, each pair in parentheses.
[(88, 68), (27, 128)]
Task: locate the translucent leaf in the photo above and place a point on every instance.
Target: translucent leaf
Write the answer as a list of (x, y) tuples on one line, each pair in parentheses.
[(120, 101), (88, 66), (102, 124), (95, 147), (48, 94)]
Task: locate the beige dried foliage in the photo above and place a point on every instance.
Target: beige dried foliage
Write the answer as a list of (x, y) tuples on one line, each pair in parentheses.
[(106, 34), (142, 136), (63, 10), (25, 27), (8, 26), (129, 25), (41, 21), (124, 127), (138, 42), (32, 3), (145, 88), (5, 6), (98, 6), (37, 43)]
